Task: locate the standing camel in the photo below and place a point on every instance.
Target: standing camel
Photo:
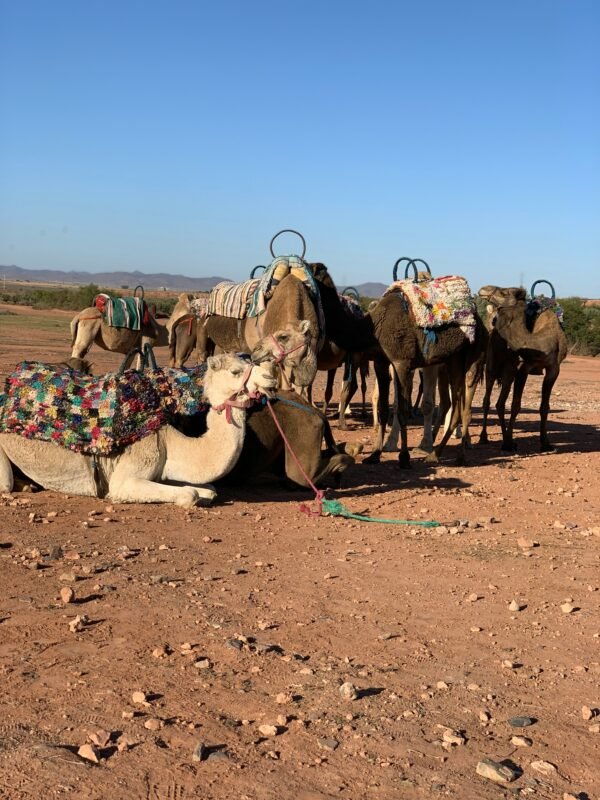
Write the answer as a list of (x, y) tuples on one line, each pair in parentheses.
[(521, 343), (89, 327), (389, 335)]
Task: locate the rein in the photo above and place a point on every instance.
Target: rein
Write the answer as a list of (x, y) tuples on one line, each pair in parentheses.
[(234, 402), (282, 355)]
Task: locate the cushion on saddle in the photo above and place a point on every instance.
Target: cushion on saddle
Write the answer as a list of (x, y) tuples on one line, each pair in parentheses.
[(95, 415), (231, 299), (439, 302), (199, 306), (123, 312)]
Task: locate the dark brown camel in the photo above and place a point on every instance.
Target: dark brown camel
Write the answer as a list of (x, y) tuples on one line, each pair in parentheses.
[(515, 351), (388, 335)]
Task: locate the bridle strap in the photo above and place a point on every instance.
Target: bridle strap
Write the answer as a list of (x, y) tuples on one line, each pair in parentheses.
[(234, 402)]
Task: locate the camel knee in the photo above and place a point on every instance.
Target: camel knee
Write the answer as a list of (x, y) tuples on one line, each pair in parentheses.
[(6, 473)]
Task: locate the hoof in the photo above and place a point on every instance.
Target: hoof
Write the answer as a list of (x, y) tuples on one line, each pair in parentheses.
[(432, 458), (342, 425), (374, 458), (404, 460)]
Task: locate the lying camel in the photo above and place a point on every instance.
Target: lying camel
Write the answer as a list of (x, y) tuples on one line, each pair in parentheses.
[(136, 474), (305, 428)]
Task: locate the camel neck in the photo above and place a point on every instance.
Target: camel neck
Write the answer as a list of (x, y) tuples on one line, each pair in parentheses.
[(350, 333)]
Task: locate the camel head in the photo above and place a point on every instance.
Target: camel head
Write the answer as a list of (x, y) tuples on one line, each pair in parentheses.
[(321, 274), (231, 377), (287, 346), (499, 296)]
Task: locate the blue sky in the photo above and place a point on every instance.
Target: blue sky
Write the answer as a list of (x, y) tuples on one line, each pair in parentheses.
[(180, 136)]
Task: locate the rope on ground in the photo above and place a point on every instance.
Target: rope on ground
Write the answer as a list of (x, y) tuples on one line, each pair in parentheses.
[(334, 508)]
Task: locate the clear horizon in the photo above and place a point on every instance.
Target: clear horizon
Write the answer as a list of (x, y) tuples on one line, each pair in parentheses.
[(180, 138)]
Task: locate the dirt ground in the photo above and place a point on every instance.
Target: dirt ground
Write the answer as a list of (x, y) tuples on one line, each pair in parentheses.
[(240, 623)]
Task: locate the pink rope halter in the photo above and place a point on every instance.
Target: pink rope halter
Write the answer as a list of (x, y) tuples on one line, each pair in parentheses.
[(234, 402)]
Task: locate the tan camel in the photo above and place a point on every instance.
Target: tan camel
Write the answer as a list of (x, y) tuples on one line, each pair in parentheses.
[(136, 474), (88, 327), (515, 351)]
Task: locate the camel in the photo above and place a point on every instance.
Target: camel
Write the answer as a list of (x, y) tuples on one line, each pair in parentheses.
[(137, 473), (264, 450), (515, 351), (289, 304), (88, 327), (387, 334)]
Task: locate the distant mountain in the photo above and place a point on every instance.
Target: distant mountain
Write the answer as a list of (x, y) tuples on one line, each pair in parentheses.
[(112, 279), (373, 290), (159, 280)]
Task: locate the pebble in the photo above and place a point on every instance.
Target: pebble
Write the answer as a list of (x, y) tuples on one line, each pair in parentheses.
[(99, 737), (283, 698), (521, 722), (349, 691), (202, 663), (328, 744), (545, 767), (200, 752), (567, 608), (89, 752), (139, 698), (77, 624), (472, 598), (453, 737), (527, 544), (588, 713), (497, 771), (153, 724), (67, 595), (268, 730), (521, 741), (514, 606)]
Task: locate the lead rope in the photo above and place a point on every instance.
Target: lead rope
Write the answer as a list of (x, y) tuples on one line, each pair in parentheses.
[(334, 508)]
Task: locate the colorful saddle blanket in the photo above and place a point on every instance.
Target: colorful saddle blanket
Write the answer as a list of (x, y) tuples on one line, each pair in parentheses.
[(123, 312), (352, 306), (541, 303), (439, 302), (200, 306), (96, 415), (232, 299)]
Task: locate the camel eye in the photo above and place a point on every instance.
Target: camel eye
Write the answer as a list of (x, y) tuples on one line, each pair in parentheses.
[(283, 337), (236, 371)]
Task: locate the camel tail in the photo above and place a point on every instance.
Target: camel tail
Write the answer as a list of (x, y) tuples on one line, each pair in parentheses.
[(74, 326)]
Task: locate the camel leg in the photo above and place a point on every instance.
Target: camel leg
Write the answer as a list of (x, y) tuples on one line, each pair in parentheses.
[(519, 386), (428, 383), (508, 377), (381, 409), (416, 409), (550, 377), (6, 473), (349, 387), (364, 371), (403, 380), (456, 376), (489, 385), (329, 389)]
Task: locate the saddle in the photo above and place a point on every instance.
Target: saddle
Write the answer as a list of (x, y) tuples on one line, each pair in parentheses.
[(123, 312), (539, 304), (439, 302), (96, 415)]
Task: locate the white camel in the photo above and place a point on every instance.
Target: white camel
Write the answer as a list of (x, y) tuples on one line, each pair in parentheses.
[(136, 474)]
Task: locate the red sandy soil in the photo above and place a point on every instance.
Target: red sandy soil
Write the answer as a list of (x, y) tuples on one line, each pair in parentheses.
[(418, 619)]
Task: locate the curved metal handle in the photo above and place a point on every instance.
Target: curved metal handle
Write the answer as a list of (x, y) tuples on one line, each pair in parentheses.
[(351, 292), (400, 260), (149, 357), (542, 281), (126, 363), (289, 230), (258, 266), (139, 286)]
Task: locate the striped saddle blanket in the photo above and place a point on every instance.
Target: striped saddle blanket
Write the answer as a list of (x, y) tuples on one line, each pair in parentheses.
[(123, 312), (231, 299), (96, 415), (439, 302)]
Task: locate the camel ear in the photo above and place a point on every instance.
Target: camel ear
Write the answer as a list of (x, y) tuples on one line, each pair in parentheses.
[(304, 326), (214, 362)]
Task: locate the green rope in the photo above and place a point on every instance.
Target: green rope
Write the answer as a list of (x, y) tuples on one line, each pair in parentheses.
[(336, 509)]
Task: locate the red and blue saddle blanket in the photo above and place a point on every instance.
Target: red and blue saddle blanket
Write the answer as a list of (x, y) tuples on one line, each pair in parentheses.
[(96, 415), (123, 312)]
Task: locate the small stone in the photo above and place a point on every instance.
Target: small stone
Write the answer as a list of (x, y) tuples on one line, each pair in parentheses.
[(69, 577), (67, 595), (473, 597), (283, 698), (124, 743), (484, 716), (441, 685), (521, 722), (509, 664), (328, 744), (139, 698), (202, 663), (349, 691), (545, 767), (588, 713), (521, 741), (160, 652), (89, 752), (77, 624), (453, 737), (153, 724), (200, 752), (497, 771), (514, 606), (99, 737), (268, 730), (594, 728), (567, 608)]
